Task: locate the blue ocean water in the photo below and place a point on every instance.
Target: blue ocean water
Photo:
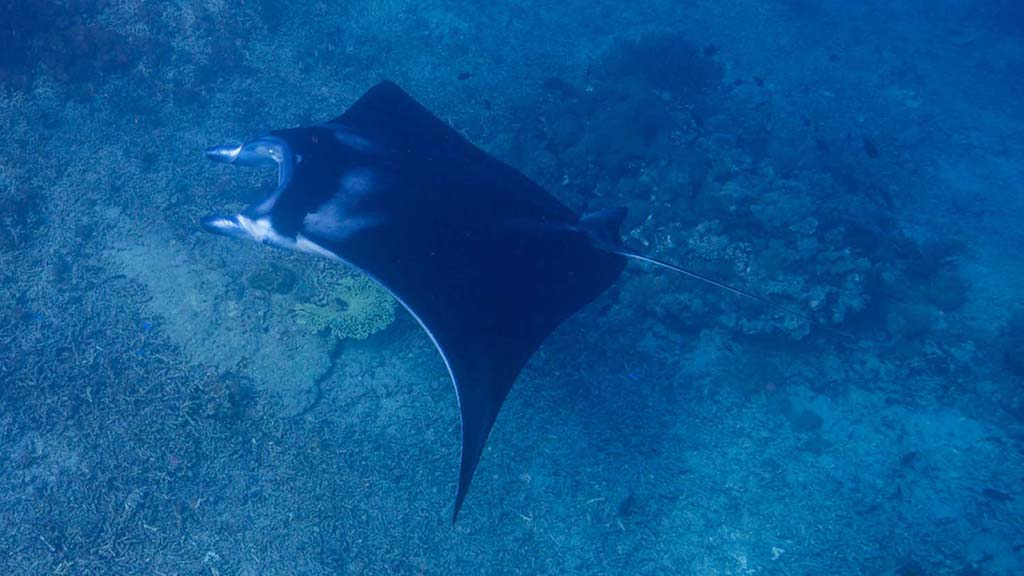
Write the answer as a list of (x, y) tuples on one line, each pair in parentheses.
[(176, 403)]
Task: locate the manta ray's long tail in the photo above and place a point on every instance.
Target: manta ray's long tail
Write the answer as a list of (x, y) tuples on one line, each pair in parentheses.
[(603, 226), (637, 256)]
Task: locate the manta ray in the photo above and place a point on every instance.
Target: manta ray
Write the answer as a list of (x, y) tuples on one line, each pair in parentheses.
[(485, 260)]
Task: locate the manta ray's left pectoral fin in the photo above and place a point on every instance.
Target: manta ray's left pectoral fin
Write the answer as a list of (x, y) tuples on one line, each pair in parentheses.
[(477, 413)]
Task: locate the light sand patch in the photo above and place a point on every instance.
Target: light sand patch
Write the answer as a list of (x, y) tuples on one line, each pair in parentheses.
[(233, 331)]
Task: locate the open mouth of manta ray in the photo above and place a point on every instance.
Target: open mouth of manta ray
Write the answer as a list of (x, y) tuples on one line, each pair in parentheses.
[(263, 151)]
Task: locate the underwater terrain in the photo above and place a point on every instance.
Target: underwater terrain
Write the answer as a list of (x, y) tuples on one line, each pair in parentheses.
[(172, 403)]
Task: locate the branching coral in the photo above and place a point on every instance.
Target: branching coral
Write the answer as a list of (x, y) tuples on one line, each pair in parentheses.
[(353, 308)]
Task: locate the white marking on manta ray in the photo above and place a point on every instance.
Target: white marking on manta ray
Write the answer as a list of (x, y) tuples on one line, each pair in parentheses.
[(358, 183), (329, 222), (345, 136), (304, 244), (233, 154), (228, 226), (262, 230), (338, 218)]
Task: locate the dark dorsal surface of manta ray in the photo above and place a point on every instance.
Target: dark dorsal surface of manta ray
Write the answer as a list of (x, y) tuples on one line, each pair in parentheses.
[(486, 260)]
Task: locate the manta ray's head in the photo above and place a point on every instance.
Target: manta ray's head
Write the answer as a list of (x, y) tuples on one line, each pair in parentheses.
[(321, 175), (256, 221)]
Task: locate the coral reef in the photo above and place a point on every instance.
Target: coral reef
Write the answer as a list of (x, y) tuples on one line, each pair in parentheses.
[(165, 407), (670, 62), (20, 215), (63, 38), (178, 49), (273, 278), (354, 307)]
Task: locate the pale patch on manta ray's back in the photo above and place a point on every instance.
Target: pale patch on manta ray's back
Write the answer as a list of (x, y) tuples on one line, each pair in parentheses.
[(339, 218), (346, 137)]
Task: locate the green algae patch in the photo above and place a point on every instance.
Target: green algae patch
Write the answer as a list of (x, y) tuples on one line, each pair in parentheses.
[(353, 308)]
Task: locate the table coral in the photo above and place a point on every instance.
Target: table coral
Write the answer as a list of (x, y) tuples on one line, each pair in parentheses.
[(355, 307)]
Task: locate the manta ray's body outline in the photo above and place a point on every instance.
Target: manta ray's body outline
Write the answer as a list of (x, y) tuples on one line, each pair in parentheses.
[(485, 260)]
